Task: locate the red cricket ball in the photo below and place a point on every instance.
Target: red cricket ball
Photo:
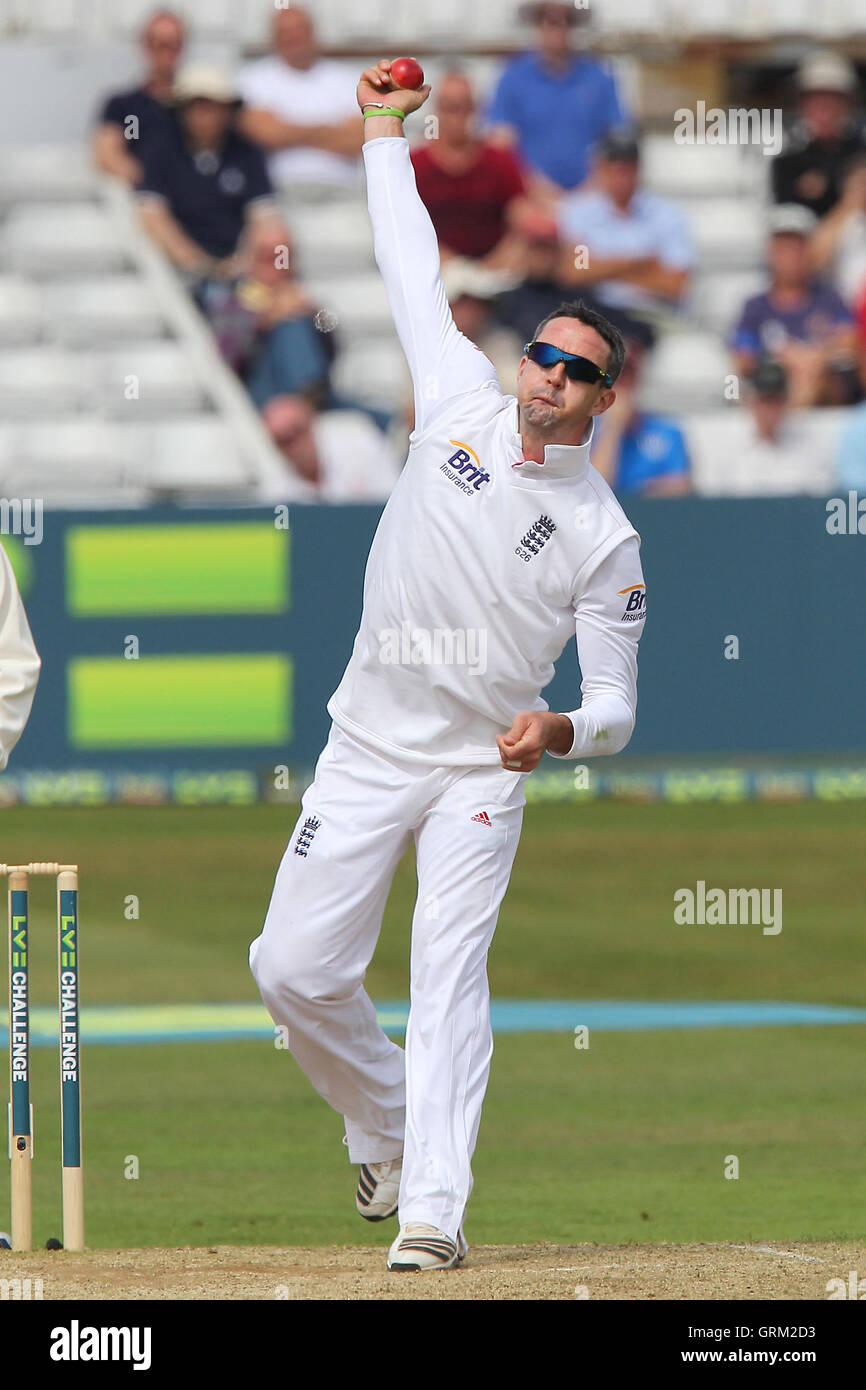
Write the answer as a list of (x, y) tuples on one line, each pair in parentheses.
[(407, 73)]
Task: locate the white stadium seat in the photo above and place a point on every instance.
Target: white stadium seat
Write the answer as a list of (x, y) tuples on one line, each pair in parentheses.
[(685, 371), (359, 304), (146, 379), (39, 173), (374, 371), (716, 300), (197, 455), (333, 237), (45, 239), (691, 171), (22, 314), (118, 308), (729, 232), (42, 381), (90, 448)]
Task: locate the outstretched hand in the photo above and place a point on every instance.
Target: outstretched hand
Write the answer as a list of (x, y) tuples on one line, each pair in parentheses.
[(376, 84)]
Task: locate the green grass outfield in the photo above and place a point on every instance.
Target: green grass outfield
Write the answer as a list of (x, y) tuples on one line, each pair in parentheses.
[(626, 1140)]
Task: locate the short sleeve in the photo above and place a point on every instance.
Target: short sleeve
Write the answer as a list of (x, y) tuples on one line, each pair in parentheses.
[(155, 182), (113, 110), (745, 337), (258, 179)]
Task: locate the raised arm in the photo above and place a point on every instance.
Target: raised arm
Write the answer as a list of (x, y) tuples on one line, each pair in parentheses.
[(442, 361)]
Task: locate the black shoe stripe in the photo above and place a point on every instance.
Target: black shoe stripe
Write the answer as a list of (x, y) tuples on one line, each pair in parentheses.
[(365, 1188)]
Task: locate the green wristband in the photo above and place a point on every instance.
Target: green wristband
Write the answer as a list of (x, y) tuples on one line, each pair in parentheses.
[(383, 111)]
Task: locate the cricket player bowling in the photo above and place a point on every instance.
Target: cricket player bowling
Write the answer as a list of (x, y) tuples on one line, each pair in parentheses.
[(499, 543)]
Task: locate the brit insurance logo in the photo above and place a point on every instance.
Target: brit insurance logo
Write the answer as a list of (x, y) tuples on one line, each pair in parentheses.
[(464, 469), (536, 537), (635, 609)]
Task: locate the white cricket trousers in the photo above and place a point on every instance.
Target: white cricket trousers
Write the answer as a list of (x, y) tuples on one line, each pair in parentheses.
[(357, 819)]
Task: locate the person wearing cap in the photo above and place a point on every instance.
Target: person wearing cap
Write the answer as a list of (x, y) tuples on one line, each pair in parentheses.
[(799, 320), (828, 132), (767, 449), (131, 120), (639, 452), (555, 103), (203, 182), (639, 250), (300, 108), (19, 662)]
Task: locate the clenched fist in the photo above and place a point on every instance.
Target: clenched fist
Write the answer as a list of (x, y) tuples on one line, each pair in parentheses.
[(530, 736)]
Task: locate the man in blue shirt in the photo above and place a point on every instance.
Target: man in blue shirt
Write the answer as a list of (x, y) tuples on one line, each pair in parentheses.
[(639, 250), (638, 452), (554, 103)]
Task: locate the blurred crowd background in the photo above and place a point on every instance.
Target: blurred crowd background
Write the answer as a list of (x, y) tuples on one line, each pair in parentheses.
[(189, 306)]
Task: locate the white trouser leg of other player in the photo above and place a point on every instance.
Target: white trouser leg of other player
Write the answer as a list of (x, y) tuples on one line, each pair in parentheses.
[(323, 922)]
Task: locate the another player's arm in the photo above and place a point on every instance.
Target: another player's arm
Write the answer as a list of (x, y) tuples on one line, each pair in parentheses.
[(607, 649), (442, 361), (19, 662)]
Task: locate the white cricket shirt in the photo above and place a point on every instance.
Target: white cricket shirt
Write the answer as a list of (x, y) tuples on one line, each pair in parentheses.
[(19, 662), (483, 565)]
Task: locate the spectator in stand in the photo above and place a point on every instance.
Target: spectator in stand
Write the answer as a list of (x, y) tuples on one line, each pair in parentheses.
[(771, 450), (639, 251), (839, 243), (828, 133), (275, 344), (203, 184), (555, 103), (473, 190), (542, 289), (301, 108), (637, 452), (131, 121), (336, 457), (851, 452), (798, 320)]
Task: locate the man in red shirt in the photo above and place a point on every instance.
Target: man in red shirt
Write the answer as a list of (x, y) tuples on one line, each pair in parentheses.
[(473, 190)]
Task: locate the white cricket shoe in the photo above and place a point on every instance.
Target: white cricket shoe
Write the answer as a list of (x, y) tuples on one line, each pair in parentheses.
[(419, 1246), (378, 1189)]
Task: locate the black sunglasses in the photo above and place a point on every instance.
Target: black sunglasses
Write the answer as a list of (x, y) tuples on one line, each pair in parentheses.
[(576, 368)]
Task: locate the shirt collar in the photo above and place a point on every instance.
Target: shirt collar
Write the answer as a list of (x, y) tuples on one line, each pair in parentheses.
[(560, 460)]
